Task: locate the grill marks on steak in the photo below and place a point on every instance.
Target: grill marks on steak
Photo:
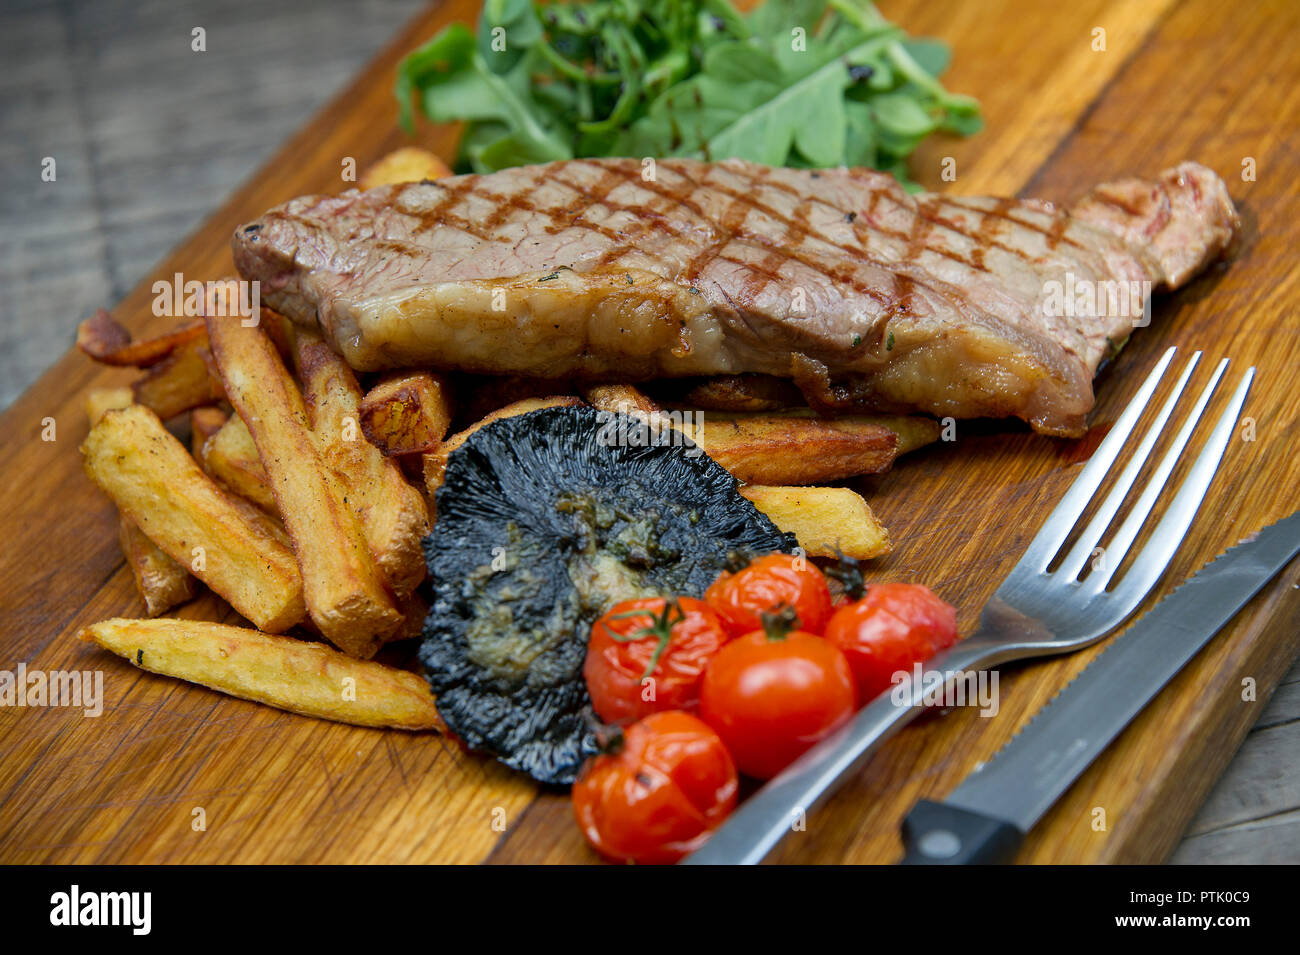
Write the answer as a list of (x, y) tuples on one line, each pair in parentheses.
[(866, 296)]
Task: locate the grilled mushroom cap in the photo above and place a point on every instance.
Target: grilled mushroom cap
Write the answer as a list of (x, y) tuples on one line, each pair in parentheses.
[(544, 521)]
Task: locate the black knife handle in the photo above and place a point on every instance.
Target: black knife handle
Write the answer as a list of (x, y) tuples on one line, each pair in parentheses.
[(938, 834)]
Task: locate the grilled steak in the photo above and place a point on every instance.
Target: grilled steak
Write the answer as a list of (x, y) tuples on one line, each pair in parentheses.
[(865, 296)]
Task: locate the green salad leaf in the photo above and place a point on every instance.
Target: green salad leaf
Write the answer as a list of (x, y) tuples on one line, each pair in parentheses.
[(807, 83)]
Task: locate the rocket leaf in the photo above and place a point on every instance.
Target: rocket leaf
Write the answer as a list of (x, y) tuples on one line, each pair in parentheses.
[(796, 82)]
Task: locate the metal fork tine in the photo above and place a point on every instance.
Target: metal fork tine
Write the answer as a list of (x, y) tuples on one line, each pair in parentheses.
[(1169, 533), (1118, 546), (1066, 514), (1083, 548)]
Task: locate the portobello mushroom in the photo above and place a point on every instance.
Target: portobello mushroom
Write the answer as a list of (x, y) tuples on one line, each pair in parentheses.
[(544, 521)]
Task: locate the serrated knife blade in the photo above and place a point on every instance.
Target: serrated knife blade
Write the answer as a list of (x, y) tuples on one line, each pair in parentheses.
[(1033, 769)]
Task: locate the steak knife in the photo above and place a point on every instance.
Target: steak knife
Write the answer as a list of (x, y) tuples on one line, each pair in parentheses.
[(987, 816)]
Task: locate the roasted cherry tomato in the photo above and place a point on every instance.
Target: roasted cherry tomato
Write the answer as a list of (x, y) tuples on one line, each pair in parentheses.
[(768, 585), (771, 696), (892, 627), (648, 655), (658, 798)]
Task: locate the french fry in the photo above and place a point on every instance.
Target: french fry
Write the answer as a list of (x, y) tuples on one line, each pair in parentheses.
[(154, 482), (280, 330), (109, 343), (407, 412), (619, 398), (100, 400), (913, 431), (414, 610), (205, 421), (226, 298), (790, 446), (391, 512), (408, 164), (295, 675), (825, 520), (230, 456), (345, 592), (744, 393), (162, 582), (435, 462), (267, 526), (180, 381), (179, 375), (770, 449)]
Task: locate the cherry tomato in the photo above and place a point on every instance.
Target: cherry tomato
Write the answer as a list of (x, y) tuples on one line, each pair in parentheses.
[(648, 655), (771, 697), (892, 627), (767, 585), (658, 798)]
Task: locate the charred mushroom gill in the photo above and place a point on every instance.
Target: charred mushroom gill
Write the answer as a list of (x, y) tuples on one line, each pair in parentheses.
[(545, 520)]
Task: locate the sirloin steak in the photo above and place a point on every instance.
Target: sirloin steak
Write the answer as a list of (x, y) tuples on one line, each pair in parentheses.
[(864, 295)]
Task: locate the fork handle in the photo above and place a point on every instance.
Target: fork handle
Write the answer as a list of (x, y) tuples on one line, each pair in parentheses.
[(936, 833), (781, 807)]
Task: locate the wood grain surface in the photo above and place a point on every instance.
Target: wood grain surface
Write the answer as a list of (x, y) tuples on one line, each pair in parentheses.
[(1194, 80)]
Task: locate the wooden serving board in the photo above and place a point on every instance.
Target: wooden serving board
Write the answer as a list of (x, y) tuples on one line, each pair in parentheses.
[(1204, 80)]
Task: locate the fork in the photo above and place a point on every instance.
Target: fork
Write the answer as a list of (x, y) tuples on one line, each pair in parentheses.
[(1036, 611)]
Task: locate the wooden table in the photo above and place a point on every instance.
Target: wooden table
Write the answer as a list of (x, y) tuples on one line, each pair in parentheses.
[(148, 137), (1175, 81)]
